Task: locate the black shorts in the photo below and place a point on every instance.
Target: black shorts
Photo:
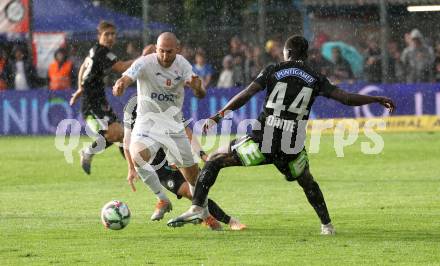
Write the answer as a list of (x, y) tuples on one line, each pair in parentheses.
[(247, 149), (99, 118), (171, 179)]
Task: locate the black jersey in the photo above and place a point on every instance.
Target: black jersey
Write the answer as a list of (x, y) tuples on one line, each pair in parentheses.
[(291, 88), (98, 64)]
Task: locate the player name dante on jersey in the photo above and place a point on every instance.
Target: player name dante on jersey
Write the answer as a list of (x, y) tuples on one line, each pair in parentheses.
[(295, 72), (284, 124)]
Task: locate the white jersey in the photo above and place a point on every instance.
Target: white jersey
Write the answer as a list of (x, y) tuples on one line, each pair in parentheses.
[(160, 91)]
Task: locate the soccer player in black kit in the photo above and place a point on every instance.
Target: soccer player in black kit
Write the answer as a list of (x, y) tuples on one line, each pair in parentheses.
[(291, 87), (95, 108)]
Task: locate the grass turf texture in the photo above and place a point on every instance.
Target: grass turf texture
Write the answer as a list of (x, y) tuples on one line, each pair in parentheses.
[(385, 208)]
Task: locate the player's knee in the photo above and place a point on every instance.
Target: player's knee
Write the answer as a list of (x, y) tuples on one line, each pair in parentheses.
[(114, 133), (184, 191), (139, 156), (111, 136), (305, 180)]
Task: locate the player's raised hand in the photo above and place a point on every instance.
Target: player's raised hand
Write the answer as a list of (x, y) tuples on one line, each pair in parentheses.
[(118, 88), (386, 102), (131, 177), (194, 83)]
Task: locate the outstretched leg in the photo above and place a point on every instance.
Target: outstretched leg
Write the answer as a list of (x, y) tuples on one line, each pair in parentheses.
[(114, 133), (316, 199), (206, 180), (209, 174)]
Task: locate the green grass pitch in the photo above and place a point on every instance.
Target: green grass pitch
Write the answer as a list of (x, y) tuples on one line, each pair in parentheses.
[(386, 209)]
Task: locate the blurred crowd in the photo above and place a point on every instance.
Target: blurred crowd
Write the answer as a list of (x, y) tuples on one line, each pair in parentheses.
[(18, 72), (411, 60)]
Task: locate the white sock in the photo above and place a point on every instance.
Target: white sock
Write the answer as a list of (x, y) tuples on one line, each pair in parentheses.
[(191, 189), (150, 178), (89, 151)]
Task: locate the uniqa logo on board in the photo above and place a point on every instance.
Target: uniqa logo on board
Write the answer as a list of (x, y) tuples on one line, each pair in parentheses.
[(32, 115)]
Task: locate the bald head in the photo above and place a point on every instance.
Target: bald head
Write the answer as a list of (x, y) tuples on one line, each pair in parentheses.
[(166, 48), (167, 37)]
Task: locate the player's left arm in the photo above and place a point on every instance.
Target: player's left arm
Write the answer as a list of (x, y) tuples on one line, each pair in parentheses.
[(131, 171), (354, 99), (80, 89)]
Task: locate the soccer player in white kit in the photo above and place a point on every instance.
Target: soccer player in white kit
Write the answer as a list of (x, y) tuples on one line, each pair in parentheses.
[(161, 78)]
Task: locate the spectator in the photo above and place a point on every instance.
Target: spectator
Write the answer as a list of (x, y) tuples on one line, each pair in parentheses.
[(373, 63), (437, 71), (320, 39), (202, 69), (3, 74), (342, 70), (408, 40), (418, 59), (226, 79), (437, 63), (318, 63), (437, 51), (396, 72), (187, 52), (274, 52), (236, 47), (77, 62), (60, 71), (252, 63), (21, 72), (132, 51)]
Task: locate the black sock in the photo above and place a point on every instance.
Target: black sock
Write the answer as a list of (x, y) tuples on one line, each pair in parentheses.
[(217, 212), (316, 199), (95, 144), (121, 150), (207, 178)]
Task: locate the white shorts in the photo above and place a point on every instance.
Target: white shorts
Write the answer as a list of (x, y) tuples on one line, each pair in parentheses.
[(176, 146)]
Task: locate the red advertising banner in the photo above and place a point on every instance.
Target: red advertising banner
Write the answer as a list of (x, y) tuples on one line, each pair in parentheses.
[(14, 16)]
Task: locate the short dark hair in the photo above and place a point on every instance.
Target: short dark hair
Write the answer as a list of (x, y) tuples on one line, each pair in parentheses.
[(103, 25), (297, 47)]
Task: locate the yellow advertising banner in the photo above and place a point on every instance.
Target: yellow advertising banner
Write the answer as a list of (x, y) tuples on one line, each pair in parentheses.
[(382, 124)]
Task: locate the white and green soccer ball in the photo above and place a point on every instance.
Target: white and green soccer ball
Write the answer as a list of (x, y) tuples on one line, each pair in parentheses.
[(115, 215)]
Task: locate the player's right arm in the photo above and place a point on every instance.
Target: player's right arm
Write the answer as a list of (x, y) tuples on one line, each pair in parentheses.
[(80, 89), (121, 84), (133, 73)]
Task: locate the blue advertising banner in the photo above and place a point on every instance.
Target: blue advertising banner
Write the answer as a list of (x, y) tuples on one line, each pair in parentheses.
[(38, 112)]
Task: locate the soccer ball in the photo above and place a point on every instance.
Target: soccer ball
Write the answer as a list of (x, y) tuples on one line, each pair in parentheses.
[(115, 215)]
